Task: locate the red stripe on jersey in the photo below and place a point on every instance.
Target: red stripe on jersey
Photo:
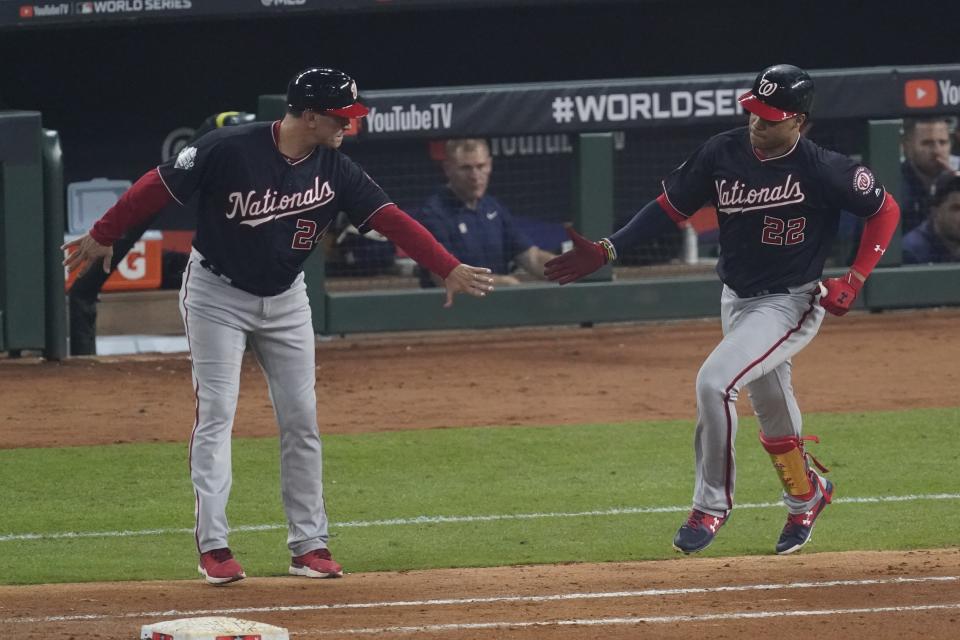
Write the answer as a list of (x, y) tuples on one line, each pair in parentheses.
[(196, 403), (135, 207), (414, 239), (669, 209), (728, 401)]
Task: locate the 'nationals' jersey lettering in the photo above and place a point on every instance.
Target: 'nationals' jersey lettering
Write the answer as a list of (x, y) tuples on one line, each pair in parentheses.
[(728, 196), (253, 206)]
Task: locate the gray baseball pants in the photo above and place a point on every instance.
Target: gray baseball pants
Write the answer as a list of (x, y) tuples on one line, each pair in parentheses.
[(220, 321)]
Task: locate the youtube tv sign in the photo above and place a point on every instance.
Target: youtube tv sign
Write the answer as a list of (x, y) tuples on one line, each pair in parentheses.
[(927, 93), (920, 94)]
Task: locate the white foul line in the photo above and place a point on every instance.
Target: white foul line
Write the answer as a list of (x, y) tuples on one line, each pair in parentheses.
[(708, 617), (494, 599), (11, 537)]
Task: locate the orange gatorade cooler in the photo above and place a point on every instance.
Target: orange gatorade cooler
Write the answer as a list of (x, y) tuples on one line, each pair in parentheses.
[(140, 269)]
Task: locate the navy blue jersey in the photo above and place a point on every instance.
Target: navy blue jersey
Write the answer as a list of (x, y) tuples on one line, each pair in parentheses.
[(778, 216), (487, 236), (260, 214)]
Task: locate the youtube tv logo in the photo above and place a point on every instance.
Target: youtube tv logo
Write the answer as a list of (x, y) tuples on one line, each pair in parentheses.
[(920, 94), (26, 11)]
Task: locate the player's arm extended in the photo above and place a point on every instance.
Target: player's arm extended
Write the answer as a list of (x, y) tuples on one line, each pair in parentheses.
[(135, 207), (586, 256), (879, 228), (416, 242)]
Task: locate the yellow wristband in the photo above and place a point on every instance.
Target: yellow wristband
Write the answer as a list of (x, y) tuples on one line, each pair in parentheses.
[(608, 247)]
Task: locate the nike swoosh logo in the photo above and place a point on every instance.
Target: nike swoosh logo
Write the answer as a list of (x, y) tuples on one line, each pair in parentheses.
[(492, 215)]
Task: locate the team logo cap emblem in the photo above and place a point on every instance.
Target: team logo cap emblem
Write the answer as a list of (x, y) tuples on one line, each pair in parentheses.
[(767, 88)]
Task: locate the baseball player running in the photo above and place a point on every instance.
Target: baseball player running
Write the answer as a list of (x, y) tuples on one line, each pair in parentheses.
[(267, 193), (778, 198)]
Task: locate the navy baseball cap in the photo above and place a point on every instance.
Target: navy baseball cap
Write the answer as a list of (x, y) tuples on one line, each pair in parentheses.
[(779, 92), (325, 91), (947, 183)]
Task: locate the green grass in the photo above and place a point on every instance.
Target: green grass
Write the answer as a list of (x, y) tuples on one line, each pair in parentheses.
[(457, 472)]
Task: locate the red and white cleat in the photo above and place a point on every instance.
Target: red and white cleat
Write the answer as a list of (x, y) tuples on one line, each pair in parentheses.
[(315, 564)]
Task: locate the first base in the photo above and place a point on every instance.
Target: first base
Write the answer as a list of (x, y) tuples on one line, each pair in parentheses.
[(212, 628)]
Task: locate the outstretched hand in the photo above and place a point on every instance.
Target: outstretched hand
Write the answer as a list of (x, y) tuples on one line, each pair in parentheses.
[(86, 252), (475, 281), (585, 258)]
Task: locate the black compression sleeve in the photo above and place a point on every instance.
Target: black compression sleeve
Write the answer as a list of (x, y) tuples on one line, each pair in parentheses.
[(649, 222)]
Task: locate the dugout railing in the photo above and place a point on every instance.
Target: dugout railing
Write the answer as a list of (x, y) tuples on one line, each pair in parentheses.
[(857, 111)]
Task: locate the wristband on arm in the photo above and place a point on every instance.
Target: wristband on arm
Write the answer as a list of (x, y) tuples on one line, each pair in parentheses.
[(588, 256), (608, 248)]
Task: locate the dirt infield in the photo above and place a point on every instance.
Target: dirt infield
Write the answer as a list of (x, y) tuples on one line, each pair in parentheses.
[(536, 376), (517, 377), (850, 594)]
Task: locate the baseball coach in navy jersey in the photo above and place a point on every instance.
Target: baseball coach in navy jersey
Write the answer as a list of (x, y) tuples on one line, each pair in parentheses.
[(267, 193)]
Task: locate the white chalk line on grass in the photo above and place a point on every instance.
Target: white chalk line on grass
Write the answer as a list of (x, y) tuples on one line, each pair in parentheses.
[(598, 622), (494, 599), (11, 537)]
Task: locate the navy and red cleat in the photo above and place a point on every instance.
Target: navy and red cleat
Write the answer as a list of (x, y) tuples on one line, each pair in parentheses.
[(799, 527), (315, 564), (698, 531), (218, 567)]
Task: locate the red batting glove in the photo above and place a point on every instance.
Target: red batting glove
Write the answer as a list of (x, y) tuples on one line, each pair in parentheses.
[(585, 258), (841, 292)]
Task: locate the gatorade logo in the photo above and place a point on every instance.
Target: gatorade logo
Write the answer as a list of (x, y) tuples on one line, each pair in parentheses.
[(920, 94)]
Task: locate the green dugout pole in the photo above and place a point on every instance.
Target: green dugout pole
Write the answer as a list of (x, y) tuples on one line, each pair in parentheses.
[(593, 205), (55, 342), (883, 156)]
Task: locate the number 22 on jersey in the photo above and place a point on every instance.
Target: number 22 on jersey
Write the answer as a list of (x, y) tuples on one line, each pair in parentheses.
[(783, 232)]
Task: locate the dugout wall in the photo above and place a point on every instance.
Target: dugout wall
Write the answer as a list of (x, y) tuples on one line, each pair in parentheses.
[(32, 308)]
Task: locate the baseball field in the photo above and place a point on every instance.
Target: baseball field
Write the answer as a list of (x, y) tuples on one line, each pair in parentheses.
[(500, 484)]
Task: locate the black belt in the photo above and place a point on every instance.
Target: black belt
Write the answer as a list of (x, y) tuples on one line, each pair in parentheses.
[(256, 291), (763, 292)]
